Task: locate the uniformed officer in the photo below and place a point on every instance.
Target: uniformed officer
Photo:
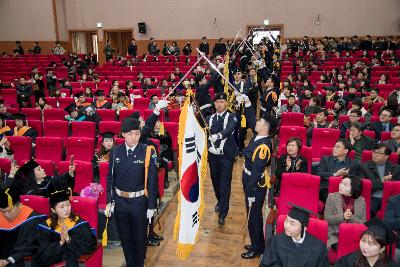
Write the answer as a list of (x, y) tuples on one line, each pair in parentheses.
[(132, 188), (223, 150), (269, 99), (256, 155)]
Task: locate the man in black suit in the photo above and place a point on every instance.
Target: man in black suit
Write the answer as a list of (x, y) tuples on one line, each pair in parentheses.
[(392, 219), (223, 150), (132, 48), (133, 190), (358, 141), (339, 164), (383, 125), (379, 170), (355, 115), (204, 46)]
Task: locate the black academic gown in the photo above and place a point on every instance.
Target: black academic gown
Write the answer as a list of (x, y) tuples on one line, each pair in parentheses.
[(281, 251), (82, 241), (350, 260), (17, 238), (50, 184)]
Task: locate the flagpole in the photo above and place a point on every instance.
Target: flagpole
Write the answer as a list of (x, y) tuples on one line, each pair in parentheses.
[(186, 74)]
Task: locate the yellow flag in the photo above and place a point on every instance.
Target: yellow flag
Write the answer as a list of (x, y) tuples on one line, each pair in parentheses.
[(226, 73)]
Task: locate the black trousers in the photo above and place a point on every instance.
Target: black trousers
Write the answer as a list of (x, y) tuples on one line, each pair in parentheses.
[(132, 231), (221, 177), (375, 205), (255, 223)]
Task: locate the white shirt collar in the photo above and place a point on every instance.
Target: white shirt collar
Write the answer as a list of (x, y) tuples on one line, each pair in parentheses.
[(131, 148), (221, 114), (301, 240), (258, 137)]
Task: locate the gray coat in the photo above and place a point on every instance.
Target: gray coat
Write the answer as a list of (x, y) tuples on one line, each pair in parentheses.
[(334, 214), (284, 108)]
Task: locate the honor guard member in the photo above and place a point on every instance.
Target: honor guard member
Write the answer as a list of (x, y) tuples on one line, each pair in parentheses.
[(295, 246), (255, 182), (252, 87), (101, 102), (276, 64), (202, 95), (223, 150), (132, 190), (269, 99), (241, 88)]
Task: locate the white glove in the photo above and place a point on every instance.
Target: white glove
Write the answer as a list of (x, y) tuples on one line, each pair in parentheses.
[(213, 138), (251, 200), (150, 214), (109, 209), (240, 98), (162, 104), (246, 101)]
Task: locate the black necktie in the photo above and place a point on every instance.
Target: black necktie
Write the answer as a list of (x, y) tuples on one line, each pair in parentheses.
[(130, 152)]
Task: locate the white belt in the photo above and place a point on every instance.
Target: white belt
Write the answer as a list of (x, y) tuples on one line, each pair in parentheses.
[(246, 171), (129, 194), (205, 106)]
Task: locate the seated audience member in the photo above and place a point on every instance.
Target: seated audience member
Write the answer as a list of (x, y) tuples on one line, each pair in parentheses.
[(103, 155), (372, 251), (351, 96), (21, 129), (357, 104), (320, 121), (313, 106), (36, 182), (4, 129), (101, 102), (379, 170), (63, 236), (72, 113), (291, 106), (41, 104), (295, 247), (58, 49), (36, 50), (330, 95), (383, 125), (153, 102), (5, 148), (88, 91), (358, 141), (3, 111), (24, 92), (345, 206), (18, 227), (291, 161), (354, 116), (392, 219), (89, 114), (339, 164), (81, 101), (121, 102), (394, 142), (373, 98)]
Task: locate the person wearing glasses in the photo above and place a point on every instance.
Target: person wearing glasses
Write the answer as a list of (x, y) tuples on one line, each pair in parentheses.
[(394, 142), (379, 170), (383, 125)]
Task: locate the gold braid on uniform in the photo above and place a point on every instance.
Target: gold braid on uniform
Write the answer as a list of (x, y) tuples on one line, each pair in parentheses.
[(273, 95), (264, 153)]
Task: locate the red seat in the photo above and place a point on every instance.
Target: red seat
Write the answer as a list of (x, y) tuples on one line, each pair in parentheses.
[(38, 203), (376, 108), (83, 129), (174, 114), (10, 97), (292, 119), (110, 126), (81, 147), (141, 103), (348, 239), (127, 112), (103, 171), (47, 165), (49, 148), (301, 189), (22, 147), (53, 114), (32, 113), (64, 102), (172, 128), (366, 155), (37, 125), (286, 132), (5, 165), (148, 112), (334, 182), (56, 128), (317, 228), (83, 175), (390, 188), (323, 137), (386, 136), (106, 114)]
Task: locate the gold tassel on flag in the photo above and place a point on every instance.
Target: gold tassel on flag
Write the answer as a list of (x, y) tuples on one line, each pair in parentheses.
[(104, 237), (161, 132), (226, 73)]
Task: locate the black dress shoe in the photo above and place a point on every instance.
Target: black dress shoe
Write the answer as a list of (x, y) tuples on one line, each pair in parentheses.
[(152, 242), (166, 184), (158, 237), (247, 247), (221, 221), (216, 209), (250, 254)]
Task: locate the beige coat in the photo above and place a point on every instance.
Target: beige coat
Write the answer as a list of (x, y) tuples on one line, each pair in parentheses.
[(334, 214)]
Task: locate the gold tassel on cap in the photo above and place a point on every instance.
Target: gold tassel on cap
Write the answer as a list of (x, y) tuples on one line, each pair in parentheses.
[(162, 129), (9, 199)]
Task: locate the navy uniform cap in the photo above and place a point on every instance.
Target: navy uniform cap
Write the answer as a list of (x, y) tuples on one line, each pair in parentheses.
[(129, 124), (220, 96)]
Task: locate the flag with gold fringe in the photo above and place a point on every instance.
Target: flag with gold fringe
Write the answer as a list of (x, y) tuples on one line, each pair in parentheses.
[(192, 141), (226, 73)]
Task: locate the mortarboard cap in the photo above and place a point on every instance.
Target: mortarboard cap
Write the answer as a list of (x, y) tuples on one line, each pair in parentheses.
[(70, 108), (19, 116), (100, 92), (129, 124), (78, 94), (107, 135), (59, 196), (299, 213), (381, 230), (28, 167)]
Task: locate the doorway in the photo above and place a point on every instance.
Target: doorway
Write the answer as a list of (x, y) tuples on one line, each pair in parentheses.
[(120, 40), (84, 42), (269, 32)]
